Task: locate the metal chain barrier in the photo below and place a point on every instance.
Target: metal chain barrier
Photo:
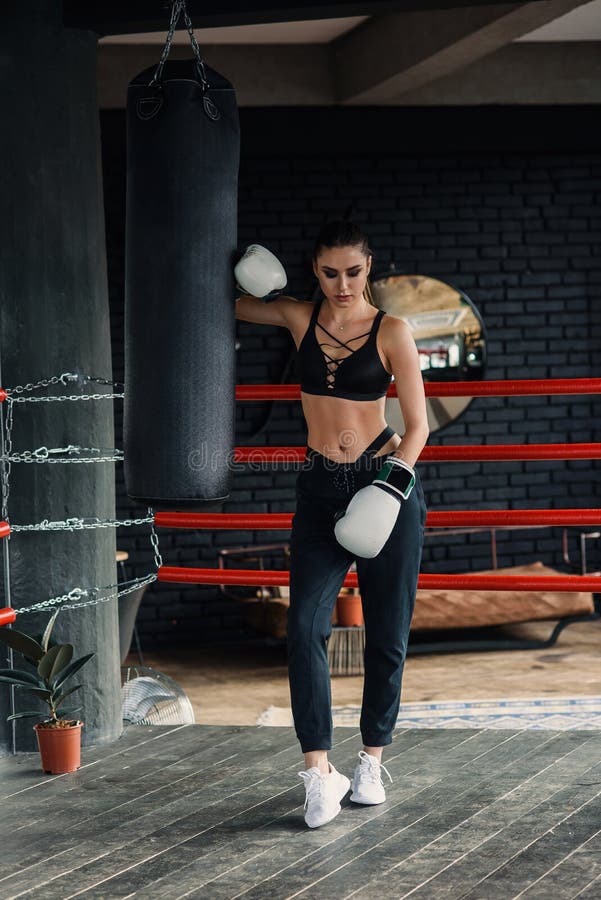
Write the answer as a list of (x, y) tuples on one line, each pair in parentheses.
[(115, 384), (76, 598), (6, 463), (76, 524), (63, 379), (71, 397), (154, 540), (45, 382), (73, 600), (44, 455)]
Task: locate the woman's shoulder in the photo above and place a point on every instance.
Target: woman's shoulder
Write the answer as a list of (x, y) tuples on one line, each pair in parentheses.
[(394, 330), (393, 324)]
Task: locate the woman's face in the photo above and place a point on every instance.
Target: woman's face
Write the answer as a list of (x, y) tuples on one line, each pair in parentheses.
[(342, 274)]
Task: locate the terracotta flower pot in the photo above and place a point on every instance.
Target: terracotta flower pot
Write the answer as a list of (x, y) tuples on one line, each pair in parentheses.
[(350, 611), (60, 748)]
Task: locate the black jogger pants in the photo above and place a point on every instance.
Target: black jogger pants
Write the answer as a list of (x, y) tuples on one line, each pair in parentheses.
[(387, 585)]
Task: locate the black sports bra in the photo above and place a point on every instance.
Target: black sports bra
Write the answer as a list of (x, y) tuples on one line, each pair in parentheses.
[(359, 375)]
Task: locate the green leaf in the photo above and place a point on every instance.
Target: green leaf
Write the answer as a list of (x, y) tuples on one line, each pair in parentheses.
[(63, 658), (26, 715), (20, 676), (47, 661), (67, 713), (58, 700), (47, 632), (44, 693), (71, 670), (22, 643)]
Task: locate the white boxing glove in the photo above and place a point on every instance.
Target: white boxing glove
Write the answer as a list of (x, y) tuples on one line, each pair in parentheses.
[(260, 273), (371, 515)]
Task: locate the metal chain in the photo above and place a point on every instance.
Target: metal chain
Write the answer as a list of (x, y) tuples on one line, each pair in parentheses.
[(196, 49), (154, 540), (43, 455), (56, 399), (6, 463), (73, 599), (177, 8), (45, 382), (64, 379), (75, 524), (94, 593), (117, 384)]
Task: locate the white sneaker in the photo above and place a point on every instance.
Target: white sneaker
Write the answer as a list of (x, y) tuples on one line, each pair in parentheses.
[(324, 793), (367, 780)]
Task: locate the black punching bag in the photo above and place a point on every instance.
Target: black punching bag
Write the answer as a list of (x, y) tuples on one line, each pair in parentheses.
[(183, 149)]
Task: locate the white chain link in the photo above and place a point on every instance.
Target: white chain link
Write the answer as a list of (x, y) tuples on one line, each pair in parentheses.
[(94, 593), (154, 540), (71, 397), (6, 464), (72, 599), (76, 524), (44, 455), (44, 382), (64, 379)]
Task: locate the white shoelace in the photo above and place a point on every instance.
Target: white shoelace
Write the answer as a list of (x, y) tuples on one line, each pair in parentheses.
[(371, 768), (314, 784)]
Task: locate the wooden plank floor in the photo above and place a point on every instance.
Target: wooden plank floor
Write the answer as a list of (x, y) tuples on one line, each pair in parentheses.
[(207, 811)]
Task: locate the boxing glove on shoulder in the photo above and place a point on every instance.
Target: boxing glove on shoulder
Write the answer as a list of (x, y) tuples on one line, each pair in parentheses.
[(260, 273), (371, 515)]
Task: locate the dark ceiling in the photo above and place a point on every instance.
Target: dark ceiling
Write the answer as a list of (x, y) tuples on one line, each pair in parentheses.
[(130, 16)]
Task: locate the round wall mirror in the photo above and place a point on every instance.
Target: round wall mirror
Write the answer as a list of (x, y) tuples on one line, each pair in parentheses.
[(450, 338)]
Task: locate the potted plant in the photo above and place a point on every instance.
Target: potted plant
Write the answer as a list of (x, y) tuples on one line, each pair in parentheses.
[(59, 735), (349, 608)]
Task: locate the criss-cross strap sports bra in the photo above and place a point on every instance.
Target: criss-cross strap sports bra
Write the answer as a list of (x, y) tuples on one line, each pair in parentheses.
[(359, 375)]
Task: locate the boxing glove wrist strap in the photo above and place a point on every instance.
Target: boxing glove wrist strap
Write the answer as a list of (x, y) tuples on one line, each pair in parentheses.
[(396, 477)]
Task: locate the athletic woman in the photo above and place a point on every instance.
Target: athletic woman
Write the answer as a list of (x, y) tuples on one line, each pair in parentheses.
[(348, 350)]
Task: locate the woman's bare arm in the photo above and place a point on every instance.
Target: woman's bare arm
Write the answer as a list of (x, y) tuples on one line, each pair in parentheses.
[(285, 311), (402, 354)]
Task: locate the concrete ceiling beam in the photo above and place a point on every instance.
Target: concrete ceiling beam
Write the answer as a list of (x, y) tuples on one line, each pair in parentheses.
[(386, 56), (132, 16)]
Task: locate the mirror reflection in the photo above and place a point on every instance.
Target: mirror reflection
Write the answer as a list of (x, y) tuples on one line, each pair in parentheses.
[(448, 331)]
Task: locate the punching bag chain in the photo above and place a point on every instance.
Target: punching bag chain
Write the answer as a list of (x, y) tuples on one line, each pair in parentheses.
[(177, 8)]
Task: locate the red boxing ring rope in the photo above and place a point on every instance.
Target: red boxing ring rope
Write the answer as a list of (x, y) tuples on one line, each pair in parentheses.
[(443, 519), (182, 575), (456, 453), (520, 388)]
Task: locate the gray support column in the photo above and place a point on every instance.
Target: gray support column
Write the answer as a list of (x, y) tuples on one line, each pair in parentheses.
[(55, 318)]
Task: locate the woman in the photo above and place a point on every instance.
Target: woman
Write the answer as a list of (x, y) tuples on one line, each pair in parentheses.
[(348, 351)]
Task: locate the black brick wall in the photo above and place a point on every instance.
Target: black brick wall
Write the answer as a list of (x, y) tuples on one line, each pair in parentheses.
[(507, 210)]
